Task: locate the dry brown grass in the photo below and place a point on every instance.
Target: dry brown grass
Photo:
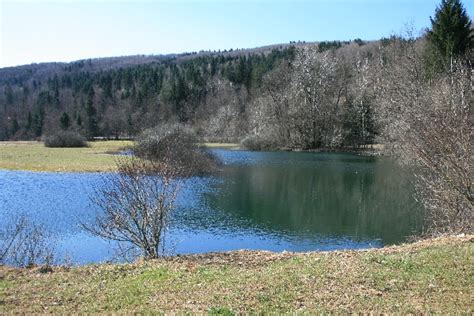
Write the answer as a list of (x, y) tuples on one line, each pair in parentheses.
[(427, 276)]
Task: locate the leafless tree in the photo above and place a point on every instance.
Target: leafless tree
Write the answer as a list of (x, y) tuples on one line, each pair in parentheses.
[(178, 146), (221, 116), (23, 243), (137, 199), (301, 103), (114, 122), (441, 141), (136, 202), (9, 235), (316, 94), (278, 99), (429, 123)]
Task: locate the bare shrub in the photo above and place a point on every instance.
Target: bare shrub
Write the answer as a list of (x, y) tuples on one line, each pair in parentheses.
[(428, 122), (9, 236), (178, 146), (258, 143), (441, 142), (137, 199), (24, 244), (65, 139), (136, 202)]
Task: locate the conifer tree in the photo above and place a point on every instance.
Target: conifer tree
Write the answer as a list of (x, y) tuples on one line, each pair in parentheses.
[(92, 128), (450, 35), (15, 126), (79, 120), (29, 121), (64, 121)]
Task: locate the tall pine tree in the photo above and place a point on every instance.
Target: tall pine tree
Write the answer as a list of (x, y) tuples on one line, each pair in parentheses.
[(92, 128), (450, 35), (64, 121)]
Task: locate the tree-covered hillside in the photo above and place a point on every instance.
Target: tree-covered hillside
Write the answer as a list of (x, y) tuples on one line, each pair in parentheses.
[(297, 95), (121, 96), (222, 95)]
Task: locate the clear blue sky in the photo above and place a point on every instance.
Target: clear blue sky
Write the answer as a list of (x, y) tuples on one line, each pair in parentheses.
[(41, 31)]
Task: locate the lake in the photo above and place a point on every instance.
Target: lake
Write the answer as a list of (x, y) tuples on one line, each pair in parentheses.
[(260, 200)]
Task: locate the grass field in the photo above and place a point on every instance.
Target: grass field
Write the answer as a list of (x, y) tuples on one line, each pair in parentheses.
[(222, 145), (429, 276), (35, 156)]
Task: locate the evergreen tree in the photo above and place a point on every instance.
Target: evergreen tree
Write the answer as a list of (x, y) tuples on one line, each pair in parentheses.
[(9, 95), (29, 121), (38, 121), (79, 120), (15, 127), (92, 128), (64, 121), (55, 88), (450, 35)]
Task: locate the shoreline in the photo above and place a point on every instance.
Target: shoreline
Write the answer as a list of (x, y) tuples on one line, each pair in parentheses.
[(373, 150), (99, 156)]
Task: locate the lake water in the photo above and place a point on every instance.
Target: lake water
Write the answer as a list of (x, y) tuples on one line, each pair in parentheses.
[(261, 200)]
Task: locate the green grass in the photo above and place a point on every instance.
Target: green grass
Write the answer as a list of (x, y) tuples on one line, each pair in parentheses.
[(222, 145), (35, 156), (430, 276)]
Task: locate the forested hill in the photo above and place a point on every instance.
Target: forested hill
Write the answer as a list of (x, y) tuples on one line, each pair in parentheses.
[(120, 96), (297, 95)]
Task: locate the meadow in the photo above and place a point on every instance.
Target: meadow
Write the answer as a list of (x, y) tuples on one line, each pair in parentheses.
[(432, 276), (98, 157)]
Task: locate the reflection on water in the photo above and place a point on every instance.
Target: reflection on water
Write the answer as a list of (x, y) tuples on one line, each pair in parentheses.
[(303, 195), (272, 201)]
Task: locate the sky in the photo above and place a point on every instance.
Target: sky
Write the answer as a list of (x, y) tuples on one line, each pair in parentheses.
[(46, 31)]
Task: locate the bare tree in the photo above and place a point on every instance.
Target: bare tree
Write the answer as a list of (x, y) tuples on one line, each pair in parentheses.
[(429, 123), (136, 202), (278, 108), (441, 142), (9, 235), (23, 243), (137, 199), (315, 91), (178, 146), (300, 104)]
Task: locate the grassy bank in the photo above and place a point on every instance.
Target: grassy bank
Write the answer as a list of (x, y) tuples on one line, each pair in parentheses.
[(222, 145), (35, 156), (428, 276)]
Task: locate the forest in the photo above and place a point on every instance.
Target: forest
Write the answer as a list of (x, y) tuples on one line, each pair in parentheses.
[(291, 96), (119, 97), (224, 96)]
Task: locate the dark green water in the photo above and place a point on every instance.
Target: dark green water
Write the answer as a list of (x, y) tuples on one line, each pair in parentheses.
[(308, 194)]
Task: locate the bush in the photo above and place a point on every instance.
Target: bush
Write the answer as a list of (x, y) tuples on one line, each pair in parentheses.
[(24, 243), (177, 146), (65, 139), (258, 143), (136, 202)]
